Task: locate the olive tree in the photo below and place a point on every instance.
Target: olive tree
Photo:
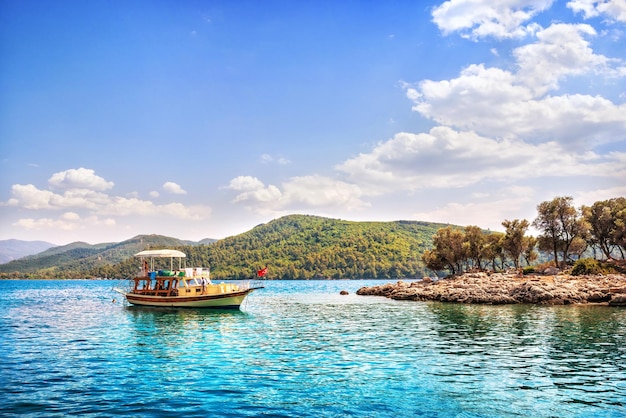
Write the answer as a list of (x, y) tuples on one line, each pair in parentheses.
[(560, 224), (514, 242), (607, 221), (448, 243), (530, 254), (493, 250), (474, 245)]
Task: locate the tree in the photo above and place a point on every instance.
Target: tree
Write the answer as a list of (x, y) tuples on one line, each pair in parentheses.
[(433, 261), (578, 247), (619, 235), (606, 222), (449, 249), (530, 254), (493, 249), (560, 224), (514, 243), (475, 243)]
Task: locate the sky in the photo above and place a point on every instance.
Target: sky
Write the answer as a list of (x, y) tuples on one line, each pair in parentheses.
[(203, 119)]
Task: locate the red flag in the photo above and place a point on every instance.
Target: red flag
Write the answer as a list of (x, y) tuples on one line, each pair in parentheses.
[(262, 272)]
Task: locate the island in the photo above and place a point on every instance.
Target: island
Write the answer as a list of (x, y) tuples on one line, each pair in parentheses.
[(509, 288)]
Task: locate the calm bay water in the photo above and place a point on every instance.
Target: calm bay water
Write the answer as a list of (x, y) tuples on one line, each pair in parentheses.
[(301, 349)]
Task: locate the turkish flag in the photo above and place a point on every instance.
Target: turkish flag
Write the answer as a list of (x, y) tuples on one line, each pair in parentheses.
[(262, 272)]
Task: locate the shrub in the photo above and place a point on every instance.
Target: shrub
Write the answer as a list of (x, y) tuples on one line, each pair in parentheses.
[(539, 268), (586, 266), (528, 270)]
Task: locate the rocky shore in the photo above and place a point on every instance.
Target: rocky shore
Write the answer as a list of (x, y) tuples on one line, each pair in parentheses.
[(506, 288)]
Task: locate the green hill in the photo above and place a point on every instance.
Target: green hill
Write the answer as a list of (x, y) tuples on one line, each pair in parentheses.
[(311, 247), (294, 247), (77, 259)]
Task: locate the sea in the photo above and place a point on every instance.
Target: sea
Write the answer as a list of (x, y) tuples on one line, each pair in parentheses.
[(300, 349)]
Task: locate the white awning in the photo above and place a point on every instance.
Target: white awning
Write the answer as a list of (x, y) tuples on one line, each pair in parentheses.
[(161, 253)]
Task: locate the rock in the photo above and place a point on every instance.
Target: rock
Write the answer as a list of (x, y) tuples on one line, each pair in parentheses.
[(508, 288), (598, 297), (618, 300), (344, 292)]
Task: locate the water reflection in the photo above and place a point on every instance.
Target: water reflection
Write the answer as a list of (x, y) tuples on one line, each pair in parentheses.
[(586, 354), (301, 349), (169, 332), (568, 354)]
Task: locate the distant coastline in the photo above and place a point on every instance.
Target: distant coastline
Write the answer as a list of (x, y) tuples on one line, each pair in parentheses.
[(509, 288)]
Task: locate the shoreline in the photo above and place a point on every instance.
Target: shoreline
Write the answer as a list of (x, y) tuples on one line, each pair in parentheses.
[(509, 288)]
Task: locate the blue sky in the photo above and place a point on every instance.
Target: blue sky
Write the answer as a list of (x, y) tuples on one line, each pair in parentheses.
[(202, 119)]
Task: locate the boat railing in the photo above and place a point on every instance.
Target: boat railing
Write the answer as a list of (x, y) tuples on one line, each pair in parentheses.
[(246, 284), (171, 282)]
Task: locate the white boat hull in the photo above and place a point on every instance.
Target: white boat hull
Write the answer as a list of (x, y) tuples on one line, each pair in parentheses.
[(181, 287), (220, 301)]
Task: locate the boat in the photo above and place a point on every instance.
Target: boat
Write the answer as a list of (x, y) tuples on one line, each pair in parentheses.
[(182, 287)]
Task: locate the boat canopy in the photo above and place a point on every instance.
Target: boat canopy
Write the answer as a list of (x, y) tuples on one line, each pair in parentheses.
[(161, 253)]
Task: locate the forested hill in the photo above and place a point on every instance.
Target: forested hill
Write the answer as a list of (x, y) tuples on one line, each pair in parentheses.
[(312, 247), (293, 247), (79, 259)]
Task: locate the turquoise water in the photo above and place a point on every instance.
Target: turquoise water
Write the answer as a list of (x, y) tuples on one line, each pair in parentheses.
[(301, 349)]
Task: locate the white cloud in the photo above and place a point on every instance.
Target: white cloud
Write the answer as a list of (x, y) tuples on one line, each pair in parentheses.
[(590, 197), (444, 158), (486, 213), (496, 125), (154, 194), (82, 194), (268, 159), (124, 207), (501, 104), (314, 191), (298, 193), (612, 9), (70, 216), (561, 50), (45, 223), (81, 178), (587, 7), (190, 213), (69, 221), (80, 198), (252, 189), (473, 96), (477, 19), (173, 188), (30, 197)]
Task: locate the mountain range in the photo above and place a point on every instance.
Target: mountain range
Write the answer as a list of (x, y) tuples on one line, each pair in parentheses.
[(13, 249), (294, 246)]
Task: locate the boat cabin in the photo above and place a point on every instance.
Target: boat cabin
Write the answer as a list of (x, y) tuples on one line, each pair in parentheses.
[(178, 280)]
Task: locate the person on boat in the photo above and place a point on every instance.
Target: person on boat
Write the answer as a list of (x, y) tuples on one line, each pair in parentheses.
[(145, 268)]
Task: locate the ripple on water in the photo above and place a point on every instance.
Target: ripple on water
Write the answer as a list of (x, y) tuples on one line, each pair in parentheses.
[(301, 349)]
